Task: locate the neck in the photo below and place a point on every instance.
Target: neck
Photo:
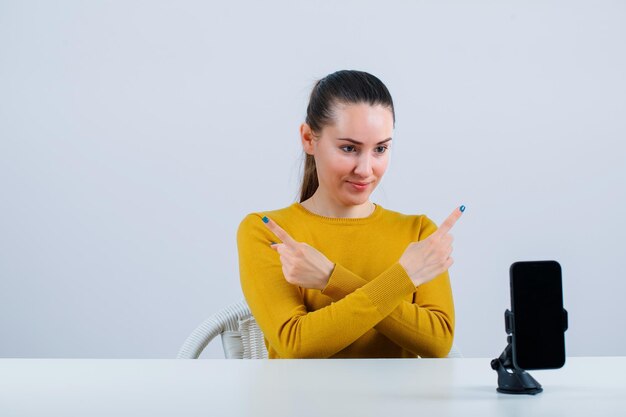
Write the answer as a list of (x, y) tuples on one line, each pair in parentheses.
[(324, 206)]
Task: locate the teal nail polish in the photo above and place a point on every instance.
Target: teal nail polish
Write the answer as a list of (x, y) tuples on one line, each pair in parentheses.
[(462, 208), (272, 243), (265, 219)]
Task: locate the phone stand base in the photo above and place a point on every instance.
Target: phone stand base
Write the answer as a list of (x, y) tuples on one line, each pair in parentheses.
[(512, 380)]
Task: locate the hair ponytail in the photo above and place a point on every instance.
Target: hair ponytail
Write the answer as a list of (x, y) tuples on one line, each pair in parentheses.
[(309, 179)]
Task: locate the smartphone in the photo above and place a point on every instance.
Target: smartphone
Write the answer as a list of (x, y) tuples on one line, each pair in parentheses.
[(539, 320)]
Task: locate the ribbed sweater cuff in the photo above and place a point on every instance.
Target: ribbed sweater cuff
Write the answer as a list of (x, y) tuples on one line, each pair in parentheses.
[(342, 282), (389, 288)]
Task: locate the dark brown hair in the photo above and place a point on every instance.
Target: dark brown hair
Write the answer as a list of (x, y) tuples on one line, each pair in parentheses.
[(341, 87)]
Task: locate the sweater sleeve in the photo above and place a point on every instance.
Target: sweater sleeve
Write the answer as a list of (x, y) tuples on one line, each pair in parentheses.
[(279, 309), (424, 326)]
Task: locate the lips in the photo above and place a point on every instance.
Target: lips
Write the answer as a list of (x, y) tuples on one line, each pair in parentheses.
[(359, 186)]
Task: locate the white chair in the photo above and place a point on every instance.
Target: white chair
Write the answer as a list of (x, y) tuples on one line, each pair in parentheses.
[(241, 336)]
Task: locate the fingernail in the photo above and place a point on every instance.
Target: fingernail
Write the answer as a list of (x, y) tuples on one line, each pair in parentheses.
[(462, 208), (265, 219)]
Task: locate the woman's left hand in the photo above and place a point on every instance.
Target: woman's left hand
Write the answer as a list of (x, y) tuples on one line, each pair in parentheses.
[(303, 265)]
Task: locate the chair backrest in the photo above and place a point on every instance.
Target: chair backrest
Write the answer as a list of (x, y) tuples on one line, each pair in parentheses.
[(252, 339), (241, 336)]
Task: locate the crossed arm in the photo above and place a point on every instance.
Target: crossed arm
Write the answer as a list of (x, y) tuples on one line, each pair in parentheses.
[(423, 326)]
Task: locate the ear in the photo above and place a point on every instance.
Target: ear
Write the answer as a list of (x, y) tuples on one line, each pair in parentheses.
[(306, 136)]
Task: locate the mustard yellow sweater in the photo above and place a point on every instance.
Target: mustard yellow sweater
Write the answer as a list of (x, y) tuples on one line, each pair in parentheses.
[(370, 307)]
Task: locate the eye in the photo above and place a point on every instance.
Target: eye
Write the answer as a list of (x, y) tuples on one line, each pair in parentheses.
[(347, 148), (381, 149)]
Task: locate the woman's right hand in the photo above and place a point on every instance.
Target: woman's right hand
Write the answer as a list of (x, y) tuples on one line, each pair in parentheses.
[(303, 265), (426, 259)]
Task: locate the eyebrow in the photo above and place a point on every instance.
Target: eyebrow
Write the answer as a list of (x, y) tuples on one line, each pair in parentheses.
[(361, 143)]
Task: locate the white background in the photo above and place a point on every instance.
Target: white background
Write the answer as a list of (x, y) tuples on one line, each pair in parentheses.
[(135, 136)]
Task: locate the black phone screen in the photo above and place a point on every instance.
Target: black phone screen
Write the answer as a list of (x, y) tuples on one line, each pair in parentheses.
[(538, 315)]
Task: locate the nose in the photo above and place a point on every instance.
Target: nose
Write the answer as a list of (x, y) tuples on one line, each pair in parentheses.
[(363, 166)]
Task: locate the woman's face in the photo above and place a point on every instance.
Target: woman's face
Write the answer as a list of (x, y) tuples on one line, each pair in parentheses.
[(351, 155)]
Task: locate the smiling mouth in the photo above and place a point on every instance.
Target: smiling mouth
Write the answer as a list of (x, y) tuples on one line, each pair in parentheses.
[(359, 186)]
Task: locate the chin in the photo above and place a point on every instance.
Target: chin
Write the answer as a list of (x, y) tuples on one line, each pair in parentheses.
[(351, 198), (357, 201)]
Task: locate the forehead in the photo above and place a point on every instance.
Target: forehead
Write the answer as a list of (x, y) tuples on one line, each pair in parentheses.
[(362, 122)]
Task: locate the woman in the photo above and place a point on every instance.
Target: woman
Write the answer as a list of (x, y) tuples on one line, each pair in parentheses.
[(336, 275)]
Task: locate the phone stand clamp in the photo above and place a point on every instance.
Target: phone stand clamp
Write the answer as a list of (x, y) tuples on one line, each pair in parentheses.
[(511, 379)]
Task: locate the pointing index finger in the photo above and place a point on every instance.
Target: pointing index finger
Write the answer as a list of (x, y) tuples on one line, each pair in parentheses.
[(450, 221), (278, 231)]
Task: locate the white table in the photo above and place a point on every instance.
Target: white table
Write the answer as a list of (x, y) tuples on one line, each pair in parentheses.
[(590, 387)]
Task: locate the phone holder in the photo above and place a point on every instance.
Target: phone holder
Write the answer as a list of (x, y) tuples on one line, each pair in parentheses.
[(511, 379)]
